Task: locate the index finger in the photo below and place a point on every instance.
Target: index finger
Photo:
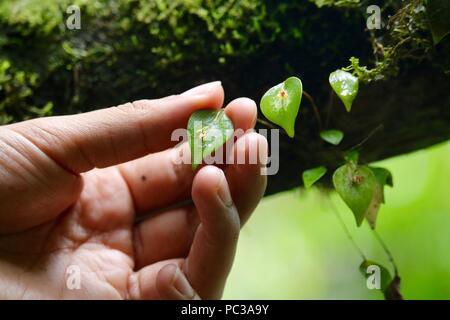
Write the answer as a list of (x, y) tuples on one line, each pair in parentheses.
[(115, 135)]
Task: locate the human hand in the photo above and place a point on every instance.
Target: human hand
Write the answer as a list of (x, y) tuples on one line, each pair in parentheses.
[(71, 188)]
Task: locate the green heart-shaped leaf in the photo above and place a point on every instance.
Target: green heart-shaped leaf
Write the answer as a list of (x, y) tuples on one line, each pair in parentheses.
[(371, 213), (346, 87), (384, 177), (208, 130), (311, 176), (352, 156), (280, 104), (385, 275), (332, 136), (356, 186)]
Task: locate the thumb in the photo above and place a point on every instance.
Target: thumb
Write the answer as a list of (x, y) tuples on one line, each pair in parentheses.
[(162, 280), (172, 284)]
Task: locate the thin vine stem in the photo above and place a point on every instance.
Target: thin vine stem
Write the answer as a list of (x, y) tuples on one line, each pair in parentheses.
[(272, 126), (356, 146), (315, 108), (329, 107), (344, 227), (387, 251), (266, 123)]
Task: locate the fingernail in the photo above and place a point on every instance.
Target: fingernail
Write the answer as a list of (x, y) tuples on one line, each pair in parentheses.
[(224, 192), (182, 285), (202, 89)]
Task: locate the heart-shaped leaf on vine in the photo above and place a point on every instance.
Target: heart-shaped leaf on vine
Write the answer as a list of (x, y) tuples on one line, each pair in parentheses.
[(346, 87), (281, 103), (352, 156), (332, 136), (208, 130), (371, 213), (378, 276), (383, 177), (356, 186), (311, 176)]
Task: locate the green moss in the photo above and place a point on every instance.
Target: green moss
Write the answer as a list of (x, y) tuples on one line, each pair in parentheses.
[(337, 3), (134, 49)]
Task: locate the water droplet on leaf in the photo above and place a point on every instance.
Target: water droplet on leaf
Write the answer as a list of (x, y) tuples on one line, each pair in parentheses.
[(346, 87)]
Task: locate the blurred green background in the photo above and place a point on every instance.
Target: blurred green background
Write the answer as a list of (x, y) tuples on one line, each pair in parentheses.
[(294, 248)]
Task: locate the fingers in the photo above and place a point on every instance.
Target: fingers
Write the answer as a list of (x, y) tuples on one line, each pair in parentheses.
[(243, 113), (212, 252), (172, 284), (176, 227), (245, 178), (213, 248), (114, 135), (163, 280), (165, 236), (161, 179)]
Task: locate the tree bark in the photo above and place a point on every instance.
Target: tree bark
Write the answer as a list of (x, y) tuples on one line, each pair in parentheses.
[(395, 116)]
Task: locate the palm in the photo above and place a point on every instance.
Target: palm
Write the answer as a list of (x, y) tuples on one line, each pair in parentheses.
[(95, 235)]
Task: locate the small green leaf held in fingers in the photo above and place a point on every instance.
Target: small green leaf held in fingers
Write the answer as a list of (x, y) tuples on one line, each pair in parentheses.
[(281, 103), (356, 186), (332, 136), (311, 176), (346, 87), (208, 130)]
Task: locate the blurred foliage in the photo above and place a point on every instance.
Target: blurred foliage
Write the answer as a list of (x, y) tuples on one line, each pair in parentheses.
[(294, 248), (337, 3), (133, 49)]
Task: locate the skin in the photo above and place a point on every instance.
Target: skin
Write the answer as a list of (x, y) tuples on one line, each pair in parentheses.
[(71, 188)]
